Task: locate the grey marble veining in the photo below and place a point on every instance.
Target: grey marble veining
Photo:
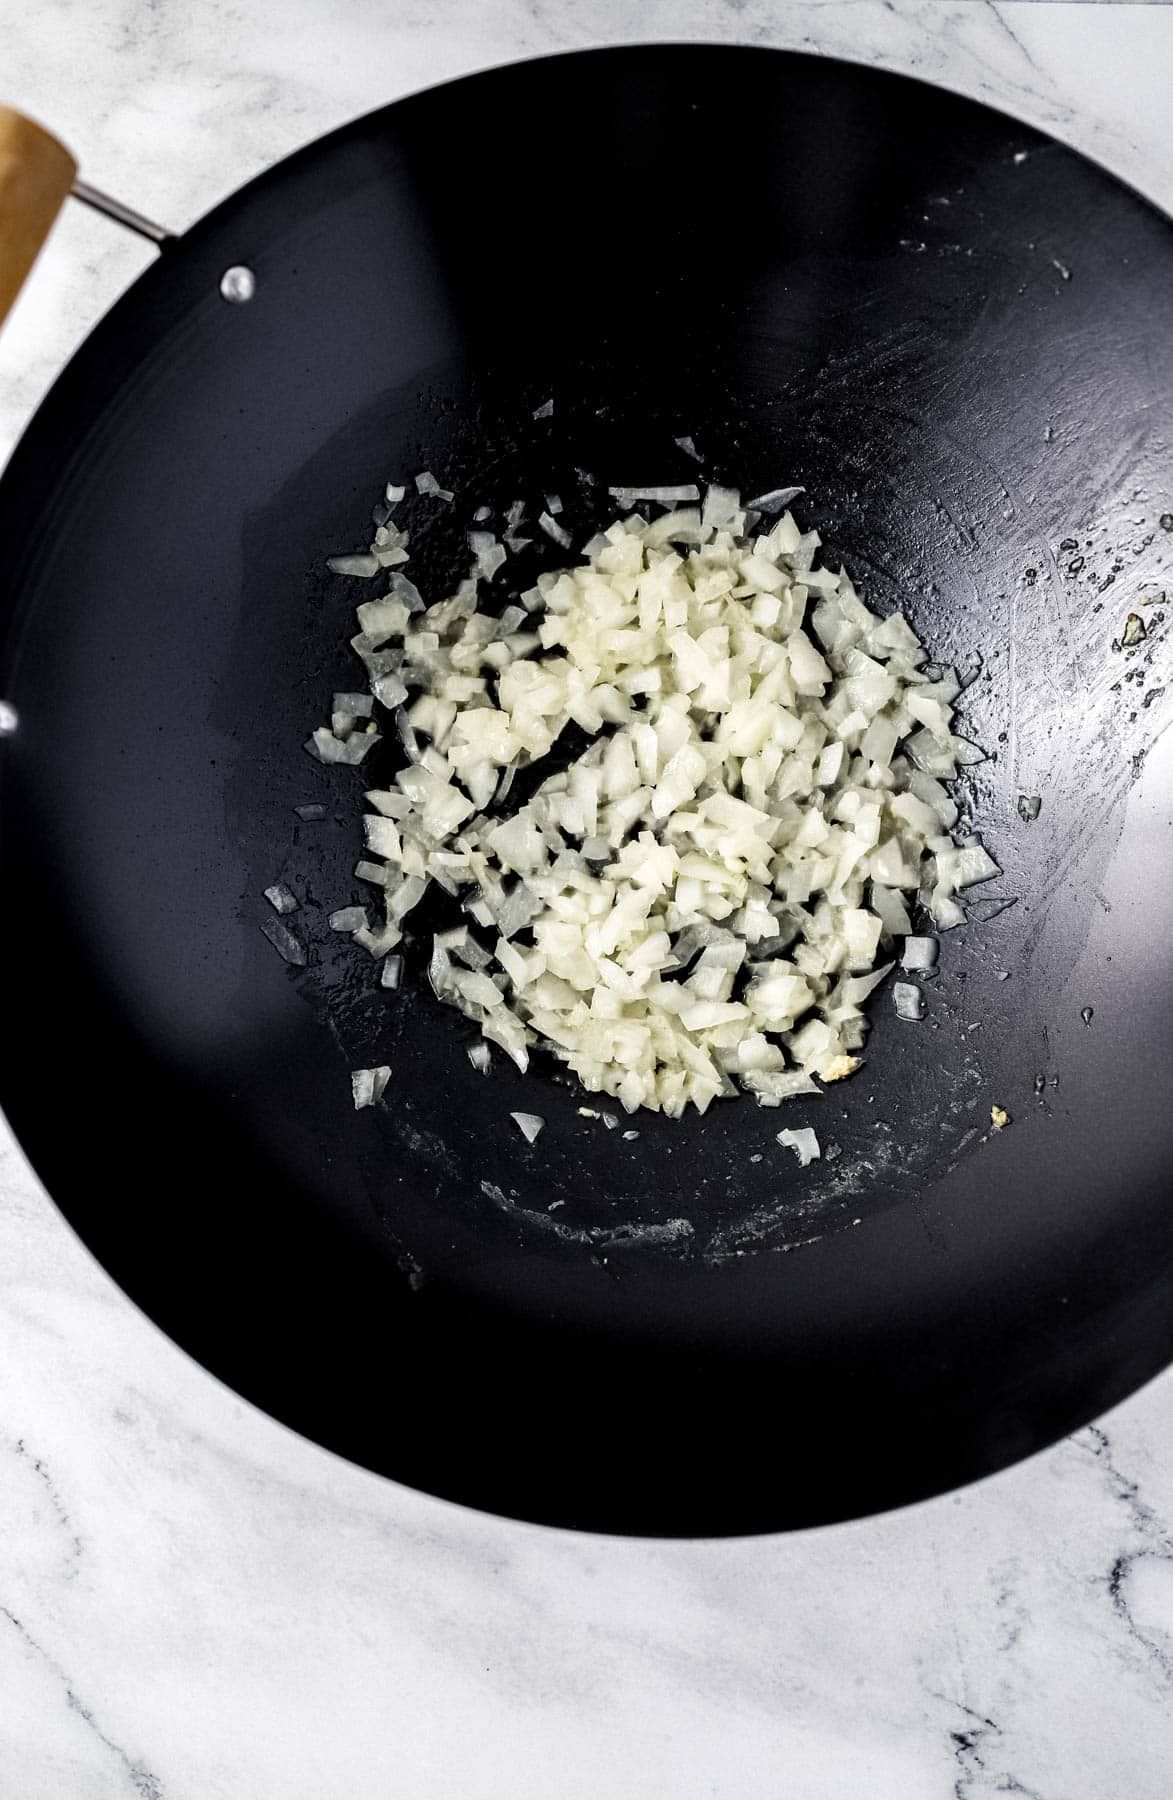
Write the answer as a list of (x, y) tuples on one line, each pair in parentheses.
[(195, 1604)]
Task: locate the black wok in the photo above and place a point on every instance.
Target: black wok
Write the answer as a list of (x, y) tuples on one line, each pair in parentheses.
[(958, 336)]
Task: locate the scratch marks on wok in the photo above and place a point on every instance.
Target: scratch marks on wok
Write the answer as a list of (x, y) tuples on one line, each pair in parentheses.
[(783, 1224), (672, 1232)]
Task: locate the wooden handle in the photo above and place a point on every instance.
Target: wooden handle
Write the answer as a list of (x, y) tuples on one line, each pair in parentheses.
[(36, 173)]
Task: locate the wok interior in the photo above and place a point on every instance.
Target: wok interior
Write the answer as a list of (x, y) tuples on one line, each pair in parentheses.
[(884, 327), (719, 1180), (923, 522)]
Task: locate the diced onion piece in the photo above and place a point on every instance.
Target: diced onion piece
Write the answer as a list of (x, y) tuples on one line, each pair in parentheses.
[(919, 954), (973, 865), (348, 918), (426, 483), (722, 508), (947, 913), (775, 501), (367, 1085), (288, 947), (890, 909), (803, 1142), (281, 898), (967, 754), (909, 1001), (377, 941), (362, 562), (330, 749), (358, 706), (488, 552), (529, 1124)]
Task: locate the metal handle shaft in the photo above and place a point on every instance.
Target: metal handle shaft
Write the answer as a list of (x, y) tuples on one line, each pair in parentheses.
[(122, 215)]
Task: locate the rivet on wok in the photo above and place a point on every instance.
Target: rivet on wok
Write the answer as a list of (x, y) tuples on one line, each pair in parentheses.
[(8, 720), (237, 284)]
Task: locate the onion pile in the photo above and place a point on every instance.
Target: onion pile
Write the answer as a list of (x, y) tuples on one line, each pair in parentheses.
[(696, 902)]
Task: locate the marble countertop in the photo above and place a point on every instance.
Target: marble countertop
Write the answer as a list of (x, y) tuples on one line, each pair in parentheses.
[(197, 1605)]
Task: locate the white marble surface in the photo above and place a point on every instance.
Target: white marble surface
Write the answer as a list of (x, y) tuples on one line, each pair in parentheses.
[(195, 1605)]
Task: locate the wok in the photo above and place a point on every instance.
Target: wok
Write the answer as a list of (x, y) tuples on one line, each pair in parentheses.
[(956, 334)]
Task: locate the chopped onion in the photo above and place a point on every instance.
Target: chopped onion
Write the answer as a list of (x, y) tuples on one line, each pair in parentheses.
[(693, 903), (686, 444), (363, 562), (280, 898), (367, 1085), (390, 690), (330, 749), (887, 904), (722, 508), (407, 736), (426, 483), (804, 1143), (310, 815), (910, 1002), (467, 950), (479, 1055), (283, 941), (348, 918), (488, 552), (357, 706), (919, 954), (775, 501), (967, 866), (529, 1124), (545, 411), (968, 755), (392, 972), (947, 913)]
